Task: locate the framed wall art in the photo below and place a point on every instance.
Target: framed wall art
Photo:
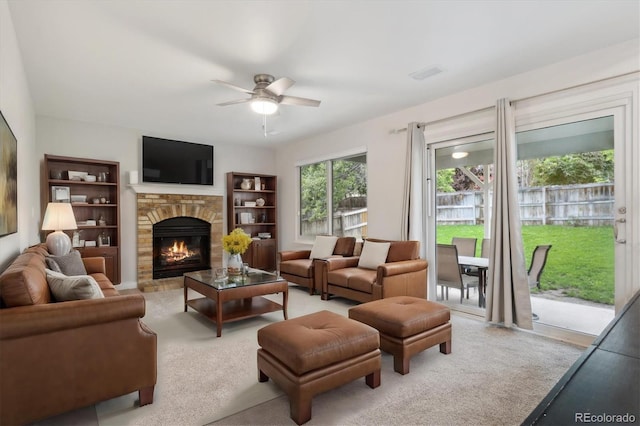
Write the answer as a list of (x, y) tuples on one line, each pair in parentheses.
[(8, 179)]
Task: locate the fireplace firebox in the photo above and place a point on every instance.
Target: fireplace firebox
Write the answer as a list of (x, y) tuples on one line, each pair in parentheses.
[(180, 244)]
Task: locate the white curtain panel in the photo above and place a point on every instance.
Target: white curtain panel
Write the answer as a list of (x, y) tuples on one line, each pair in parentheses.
[(508, 299), (413, 218)]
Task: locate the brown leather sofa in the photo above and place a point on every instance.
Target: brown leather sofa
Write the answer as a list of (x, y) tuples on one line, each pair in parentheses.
[(296, 267), (60, 356), (402, 274)]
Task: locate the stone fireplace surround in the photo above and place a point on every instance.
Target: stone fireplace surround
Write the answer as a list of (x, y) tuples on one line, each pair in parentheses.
[(153, 208)]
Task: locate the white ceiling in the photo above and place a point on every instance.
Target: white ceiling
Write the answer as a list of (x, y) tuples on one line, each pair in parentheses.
[(147, 65)]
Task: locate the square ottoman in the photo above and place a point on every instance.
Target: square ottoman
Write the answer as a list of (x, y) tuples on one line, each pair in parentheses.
[(314, 353), (407, 325)]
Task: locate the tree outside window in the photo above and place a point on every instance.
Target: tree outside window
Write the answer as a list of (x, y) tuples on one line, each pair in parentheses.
[(338, 186)]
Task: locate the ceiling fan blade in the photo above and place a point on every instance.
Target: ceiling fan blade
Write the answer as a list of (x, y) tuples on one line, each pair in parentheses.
[(279, 86), (234, 87), (237, 101), (294, 100)]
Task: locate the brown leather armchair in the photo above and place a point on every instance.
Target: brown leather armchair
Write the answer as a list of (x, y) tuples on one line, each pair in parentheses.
[(402, 274), (296, 267)]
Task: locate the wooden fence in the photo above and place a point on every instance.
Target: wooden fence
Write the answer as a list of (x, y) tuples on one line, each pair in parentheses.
[(576, 205), (346, 224)]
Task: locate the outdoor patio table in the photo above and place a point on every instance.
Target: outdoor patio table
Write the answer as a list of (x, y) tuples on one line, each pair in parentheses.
[(482, 263)]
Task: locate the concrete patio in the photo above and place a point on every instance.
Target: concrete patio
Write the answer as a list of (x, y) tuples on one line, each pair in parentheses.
[(563, 313), (589, 318)]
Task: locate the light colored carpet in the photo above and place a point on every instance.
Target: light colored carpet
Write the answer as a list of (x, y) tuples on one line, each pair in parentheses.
[(493, 376)]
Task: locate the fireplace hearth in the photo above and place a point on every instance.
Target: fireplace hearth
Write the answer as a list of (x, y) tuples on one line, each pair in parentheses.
[(180, 245), (153, 208)]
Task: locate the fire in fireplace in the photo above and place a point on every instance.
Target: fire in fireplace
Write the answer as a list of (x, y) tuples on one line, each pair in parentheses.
[(180, 245), (177, 253)]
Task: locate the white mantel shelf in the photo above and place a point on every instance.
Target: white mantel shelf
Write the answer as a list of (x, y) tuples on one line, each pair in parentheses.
[(175, 189)]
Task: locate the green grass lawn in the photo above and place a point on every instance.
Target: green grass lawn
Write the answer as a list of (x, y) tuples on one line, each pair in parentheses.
[(580, 263)]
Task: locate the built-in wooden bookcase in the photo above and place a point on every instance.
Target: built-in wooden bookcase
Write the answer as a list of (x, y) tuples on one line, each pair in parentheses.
[(244, 210), (98, 216)]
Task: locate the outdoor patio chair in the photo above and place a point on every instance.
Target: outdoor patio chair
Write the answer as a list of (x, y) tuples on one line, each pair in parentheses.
[(538, 261), (449, 274), (465, 246), (485, 248), (484, 252)]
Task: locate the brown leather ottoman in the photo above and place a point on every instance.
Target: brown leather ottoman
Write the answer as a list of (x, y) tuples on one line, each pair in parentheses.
[(314, 353), (407, 325)]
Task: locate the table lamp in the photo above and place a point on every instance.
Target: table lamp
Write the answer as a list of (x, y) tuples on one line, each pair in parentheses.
[(58, 217)]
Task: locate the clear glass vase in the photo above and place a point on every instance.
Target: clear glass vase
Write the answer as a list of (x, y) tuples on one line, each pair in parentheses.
[(234, 264)]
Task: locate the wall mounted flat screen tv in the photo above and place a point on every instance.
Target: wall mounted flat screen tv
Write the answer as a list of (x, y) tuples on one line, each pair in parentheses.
[(169, 161)]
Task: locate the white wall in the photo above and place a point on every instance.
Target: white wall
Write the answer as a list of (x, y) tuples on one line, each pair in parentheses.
[(386, 151), (77, 139), (17, 107)]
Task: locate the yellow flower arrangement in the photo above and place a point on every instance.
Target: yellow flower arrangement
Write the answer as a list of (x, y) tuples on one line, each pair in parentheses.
[(237, 242)]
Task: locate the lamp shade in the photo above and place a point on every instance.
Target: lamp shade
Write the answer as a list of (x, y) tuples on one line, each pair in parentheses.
[(264, 106), (58, 217)]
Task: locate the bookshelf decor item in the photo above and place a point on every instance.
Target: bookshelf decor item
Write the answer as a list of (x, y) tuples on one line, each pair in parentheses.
[(60, 194), (246, 184)]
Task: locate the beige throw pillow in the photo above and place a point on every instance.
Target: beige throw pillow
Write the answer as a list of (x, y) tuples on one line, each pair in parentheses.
[(78, 287), (323, 246), (373, 254)]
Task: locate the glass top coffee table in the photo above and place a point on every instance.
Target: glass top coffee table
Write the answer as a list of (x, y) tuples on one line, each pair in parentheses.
[(234, 298)]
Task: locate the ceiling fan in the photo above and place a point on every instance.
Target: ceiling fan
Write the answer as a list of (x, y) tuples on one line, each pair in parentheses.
[(268, 94)]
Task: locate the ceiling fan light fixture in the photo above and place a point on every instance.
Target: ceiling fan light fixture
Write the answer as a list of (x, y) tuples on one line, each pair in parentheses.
[(264, 106), (458, 155)]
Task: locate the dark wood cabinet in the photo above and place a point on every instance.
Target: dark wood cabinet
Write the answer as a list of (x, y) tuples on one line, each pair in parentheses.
[(252, 206), (110, 254), (261, 254), (95, 203)]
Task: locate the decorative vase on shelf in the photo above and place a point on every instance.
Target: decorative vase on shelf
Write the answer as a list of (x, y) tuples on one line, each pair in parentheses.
[(246, 184), (234, 264)]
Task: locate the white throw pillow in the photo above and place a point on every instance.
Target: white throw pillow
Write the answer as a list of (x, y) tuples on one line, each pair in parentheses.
[(76, 287), (323, 246), (373, 254)]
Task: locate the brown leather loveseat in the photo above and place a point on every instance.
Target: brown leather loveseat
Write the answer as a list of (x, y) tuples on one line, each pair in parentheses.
[(402, 273), (60, 356)]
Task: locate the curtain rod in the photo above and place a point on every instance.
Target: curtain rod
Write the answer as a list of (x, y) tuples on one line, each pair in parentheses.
[(513, 101), (404, 129)]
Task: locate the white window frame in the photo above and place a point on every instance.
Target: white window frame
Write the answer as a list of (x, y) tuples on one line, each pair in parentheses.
[(362, 150), (618, 97)]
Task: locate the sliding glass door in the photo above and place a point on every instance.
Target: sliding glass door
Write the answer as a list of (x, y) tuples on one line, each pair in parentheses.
[(576, 186), (567, 193), (463, 176)]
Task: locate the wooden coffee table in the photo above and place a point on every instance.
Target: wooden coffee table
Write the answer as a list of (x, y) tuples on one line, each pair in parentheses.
[(234, 298)]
